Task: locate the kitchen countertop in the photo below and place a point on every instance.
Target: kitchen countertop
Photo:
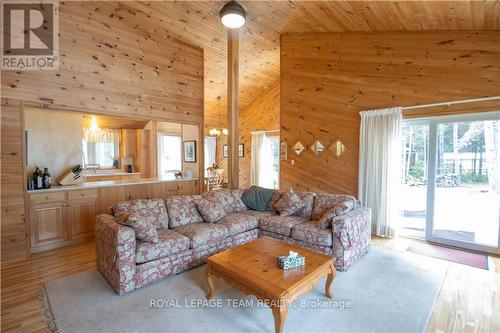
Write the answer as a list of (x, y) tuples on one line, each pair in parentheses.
[(111, 183), (111, 173)]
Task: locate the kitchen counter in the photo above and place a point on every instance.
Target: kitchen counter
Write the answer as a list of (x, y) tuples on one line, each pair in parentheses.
[(111, 183), (111, 173)]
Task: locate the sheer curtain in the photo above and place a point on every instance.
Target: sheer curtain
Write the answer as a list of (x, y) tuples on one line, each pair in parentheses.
[(255, 157), (264, 160), (379, 167)]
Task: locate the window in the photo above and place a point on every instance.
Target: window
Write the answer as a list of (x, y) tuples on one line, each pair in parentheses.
[(169, 154), (210, 148), (265, 161), (101, 153), (101, 147)]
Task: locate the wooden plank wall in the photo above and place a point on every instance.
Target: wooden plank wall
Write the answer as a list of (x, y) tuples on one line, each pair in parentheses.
[(262, 115), (13, 224), (112, 66), (327, 78)]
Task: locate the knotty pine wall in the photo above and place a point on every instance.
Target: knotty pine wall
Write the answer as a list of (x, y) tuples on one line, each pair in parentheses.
[(262, 115), (114, 66), (327, 78), (108, 66), (13, 214)]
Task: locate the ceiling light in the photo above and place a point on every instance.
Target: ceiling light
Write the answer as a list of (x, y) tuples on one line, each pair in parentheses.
[(233, 15)]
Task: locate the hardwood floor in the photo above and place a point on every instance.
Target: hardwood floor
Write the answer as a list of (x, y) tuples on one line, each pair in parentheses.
[(469, 300), (21, 282)]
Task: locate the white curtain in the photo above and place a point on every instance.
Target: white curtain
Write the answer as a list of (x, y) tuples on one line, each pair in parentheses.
[(379, 167), (264, 159), (255, 157), (101, 135), (210, 148)]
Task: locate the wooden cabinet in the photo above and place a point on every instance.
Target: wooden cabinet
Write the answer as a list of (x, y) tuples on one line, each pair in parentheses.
[(63, 218), (48, 225), (80, 217)]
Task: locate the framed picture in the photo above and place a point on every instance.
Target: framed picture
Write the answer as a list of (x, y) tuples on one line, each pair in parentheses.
[(284, 150), (190, 151), (241, 150), (225, 151)]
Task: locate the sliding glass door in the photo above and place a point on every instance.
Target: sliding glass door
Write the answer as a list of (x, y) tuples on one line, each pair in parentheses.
[(451, 165)]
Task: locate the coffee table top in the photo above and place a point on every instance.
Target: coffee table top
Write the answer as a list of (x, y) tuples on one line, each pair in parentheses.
[(254, 264)]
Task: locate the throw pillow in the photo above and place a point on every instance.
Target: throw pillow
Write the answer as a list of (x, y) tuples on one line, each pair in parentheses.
[(257, 198), (239, 206), (211, 210), (288, 203), (144, 230), (325, 221)]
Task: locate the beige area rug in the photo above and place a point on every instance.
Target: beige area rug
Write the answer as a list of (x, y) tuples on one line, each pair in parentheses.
[(386, 291)]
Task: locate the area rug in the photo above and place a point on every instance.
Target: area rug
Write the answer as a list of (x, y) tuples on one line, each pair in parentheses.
[(386, 291), (449, 254)]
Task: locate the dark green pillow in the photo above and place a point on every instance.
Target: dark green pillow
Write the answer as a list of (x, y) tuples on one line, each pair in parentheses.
[(257, 198)]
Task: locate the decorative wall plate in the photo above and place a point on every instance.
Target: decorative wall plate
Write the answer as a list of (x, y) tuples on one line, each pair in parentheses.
[(298, 148), (317, 147), (337, 148)]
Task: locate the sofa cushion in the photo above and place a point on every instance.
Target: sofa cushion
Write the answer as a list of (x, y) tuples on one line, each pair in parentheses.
[(202, 233), (257, 198), (153, 209), (222, 196), (310, 233), (259, 215), (182, 210), (323, 202), (212, 209), (237, 223), (144, 230), (288, 203), (169, 242), (308, 199), (239, 206), (276, 197), (280, 224), (325, 221)]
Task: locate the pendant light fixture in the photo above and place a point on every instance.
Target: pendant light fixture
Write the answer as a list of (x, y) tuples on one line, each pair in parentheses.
[(215, 131), (233, 15)]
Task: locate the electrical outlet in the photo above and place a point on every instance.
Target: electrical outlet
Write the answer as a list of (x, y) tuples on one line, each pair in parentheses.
[(292, 162)]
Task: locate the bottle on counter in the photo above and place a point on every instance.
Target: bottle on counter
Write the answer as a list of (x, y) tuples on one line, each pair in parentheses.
[(46, 178), (37, 179)]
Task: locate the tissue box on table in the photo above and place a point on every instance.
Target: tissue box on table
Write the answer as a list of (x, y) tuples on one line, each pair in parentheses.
[(292, 260)]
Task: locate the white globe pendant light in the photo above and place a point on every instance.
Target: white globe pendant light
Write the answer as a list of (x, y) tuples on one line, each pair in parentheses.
[(233, 15)]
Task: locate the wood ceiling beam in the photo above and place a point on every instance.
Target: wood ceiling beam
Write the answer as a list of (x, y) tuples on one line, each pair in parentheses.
[(233, 40)]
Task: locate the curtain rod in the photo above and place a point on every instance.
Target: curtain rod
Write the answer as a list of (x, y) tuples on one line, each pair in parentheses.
[(452, 102)]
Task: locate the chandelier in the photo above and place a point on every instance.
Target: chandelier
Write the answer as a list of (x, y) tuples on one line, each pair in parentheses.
[(215, 131)]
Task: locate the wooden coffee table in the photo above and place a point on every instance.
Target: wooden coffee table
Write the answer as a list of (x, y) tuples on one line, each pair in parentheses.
[(252, 268)]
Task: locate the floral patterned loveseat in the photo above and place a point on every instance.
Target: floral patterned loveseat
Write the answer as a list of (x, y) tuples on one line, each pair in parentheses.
[(185, 240)]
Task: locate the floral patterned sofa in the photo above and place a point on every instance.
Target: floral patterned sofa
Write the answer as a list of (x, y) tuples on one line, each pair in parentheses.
[(185, 239)]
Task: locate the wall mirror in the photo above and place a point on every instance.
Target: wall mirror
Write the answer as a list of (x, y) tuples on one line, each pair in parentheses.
[(298, 148), (337, 148), (317, 147)]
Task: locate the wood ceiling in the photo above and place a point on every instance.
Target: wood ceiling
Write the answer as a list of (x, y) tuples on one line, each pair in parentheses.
[(197, 23)]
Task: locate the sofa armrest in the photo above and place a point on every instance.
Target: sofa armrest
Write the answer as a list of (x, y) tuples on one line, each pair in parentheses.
[(115, 253), (352, 227)]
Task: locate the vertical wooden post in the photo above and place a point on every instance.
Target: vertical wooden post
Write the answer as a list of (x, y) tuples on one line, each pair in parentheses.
[(233, 107)]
